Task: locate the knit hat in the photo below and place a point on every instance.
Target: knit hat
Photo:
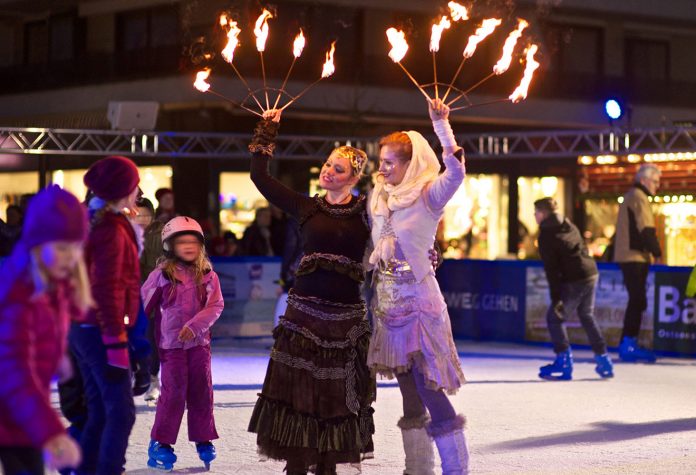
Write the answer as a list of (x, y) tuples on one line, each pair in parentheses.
[(112, 178), (161, 192), (54, 215)]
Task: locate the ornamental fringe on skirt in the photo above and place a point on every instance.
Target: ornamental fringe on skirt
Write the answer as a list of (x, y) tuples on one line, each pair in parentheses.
[(412, 327), (315, 406)]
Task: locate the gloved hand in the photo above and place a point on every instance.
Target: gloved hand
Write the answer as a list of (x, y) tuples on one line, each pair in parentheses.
[(117, 359), (62, 452), (558, 308)]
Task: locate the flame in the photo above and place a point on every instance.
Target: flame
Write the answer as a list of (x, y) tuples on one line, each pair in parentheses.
[(261, 30), (397, 39), (329, 67), (438, 28), (223, 20), (457, 11), (232, 41), (486, 28), (299, 44), (521, 91), (200, 83), (504, 62)]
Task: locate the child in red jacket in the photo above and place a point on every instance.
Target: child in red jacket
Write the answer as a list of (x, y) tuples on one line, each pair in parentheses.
[(100, 342), (44, 284), (184, 293)]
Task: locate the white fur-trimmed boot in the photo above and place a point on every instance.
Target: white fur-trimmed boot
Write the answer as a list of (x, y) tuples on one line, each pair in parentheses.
[(418, 445), (451, 444)]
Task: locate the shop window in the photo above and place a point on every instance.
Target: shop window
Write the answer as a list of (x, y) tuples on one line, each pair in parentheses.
[(151, 179), (531, 189), (475, 222), (647, 59), (239, 200), (15, 185)]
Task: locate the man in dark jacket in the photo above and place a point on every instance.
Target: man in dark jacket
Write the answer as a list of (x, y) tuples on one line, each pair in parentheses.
[(572, 276)]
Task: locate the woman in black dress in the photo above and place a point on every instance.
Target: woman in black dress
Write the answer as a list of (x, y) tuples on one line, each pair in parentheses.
[(315, 407)]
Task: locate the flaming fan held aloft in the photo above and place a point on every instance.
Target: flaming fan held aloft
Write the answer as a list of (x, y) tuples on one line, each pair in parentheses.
[(261, 31), (399, 48)]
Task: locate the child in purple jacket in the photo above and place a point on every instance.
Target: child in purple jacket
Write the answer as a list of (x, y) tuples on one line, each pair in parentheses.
[(44, 284), (185, 294)]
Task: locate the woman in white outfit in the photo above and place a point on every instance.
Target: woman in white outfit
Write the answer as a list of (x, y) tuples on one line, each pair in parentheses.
[(412, 335)]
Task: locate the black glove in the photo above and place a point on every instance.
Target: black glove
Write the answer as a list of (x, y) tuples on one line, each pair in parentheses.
[(264, 137), (141, 377)]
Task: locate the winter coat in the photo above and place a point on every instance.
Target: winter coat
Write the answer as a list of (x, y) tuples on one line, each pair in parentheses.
[(635, 228), (33, 339), (112, 261), (152, 248), (184, 304), (564, 252)]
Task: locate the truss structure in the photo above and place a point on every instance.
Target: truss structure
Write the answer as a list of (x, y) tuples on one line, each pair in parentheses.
[(526, 145)]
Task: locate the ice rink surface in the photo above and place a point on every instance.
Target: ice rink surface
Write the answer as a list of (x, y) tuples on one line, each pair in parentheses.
[(641, 422)]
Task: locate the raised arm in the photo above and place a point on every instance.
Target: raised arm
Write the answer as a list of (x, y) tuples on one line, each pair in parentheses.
[(262, 147), (447, 184)]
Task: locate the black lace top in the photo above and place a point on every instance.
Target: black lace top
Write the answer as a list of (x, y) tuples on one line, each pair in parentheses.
[(334, 237)]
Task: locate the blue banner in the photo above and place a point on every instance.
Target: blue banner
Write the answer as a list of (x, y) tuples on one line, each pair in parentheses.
[(675, 315), (485, 299)]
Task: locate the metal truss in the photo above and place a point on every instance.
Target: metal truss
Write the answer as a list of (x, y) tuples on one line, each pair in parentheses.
[(539, 144)]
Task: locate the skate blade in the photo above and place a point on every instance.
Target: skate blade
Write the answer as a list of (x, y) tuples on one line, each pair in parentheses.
[(551, 377), (159, 466)]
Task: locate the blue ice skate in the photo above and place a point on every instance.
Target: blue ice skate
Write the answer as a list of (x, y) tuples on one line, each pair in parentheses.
[(160, 456), (604, 368), (560, 370), (630, 352), (206, 452)]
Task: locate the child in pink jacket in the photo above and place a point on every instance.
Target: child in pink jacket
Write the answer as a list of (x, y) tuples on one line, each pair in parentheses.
[(44, 284), (185, 294)]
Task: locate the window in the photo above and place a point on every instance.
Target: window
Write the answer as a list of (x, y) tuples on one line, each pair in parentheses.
[(575, 49), (143, 29), (647, 59)]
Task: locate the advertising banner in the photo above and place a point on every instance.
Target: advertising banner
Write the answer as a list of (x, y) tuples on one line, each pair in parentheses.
[(675, 315), (485, 299), (250, 291), (610, 303)]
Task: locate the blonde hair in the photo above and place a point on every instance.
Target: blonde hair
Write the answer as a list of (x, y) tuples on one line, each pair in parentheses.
[(400, 142), (201, 266), (356, 157), (79, 280)]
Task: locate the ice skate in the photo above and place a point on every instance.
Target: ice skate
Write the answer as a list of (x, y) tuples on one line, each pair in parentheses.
[(206, 452), (630, 352), (153, 393), (161, 456), (604, 368), (560, 370)]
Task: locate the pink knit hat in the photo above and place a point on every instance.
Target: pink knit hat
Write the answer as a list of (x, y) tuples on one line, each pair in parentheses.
[(54, 215), (112, 178)]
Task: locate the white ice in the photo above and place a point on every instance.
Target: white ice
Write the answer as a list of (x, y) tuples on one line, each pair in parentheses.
[(641, 422)]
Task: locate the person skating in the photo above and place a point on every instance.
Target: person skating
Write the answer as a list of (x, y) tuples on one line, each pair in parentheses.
[(635, 243), (412, 337), (572, 276), (100, 343), (184, 293), (44, 284), (314, 410)]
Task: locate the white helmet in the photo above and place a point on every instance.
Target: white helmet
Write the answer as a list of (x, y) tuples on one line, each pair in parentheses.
[(180, 225)]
